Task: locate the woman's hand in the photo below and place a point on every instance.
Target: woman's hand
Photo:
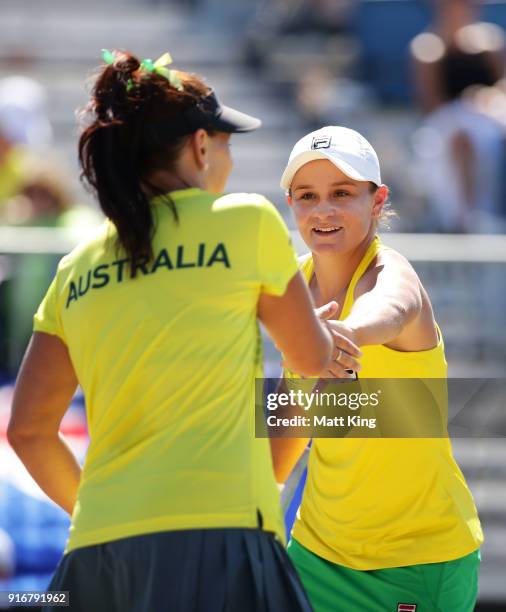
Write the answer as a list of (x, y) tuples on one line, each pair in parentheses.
[(346, 351)]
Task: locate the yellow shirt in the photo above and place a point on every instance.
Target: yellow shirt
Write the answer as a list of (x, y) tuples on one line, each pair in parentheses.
[(378, 503), (167, 362)]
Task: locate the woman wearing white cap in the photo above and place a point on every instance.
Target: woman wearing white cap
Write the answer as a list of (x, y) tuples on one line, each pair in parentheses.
[(384, 524)]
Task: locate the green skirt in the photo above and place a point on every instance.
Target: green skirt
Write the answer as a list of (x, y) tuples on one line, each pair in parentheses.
[(451, 586)]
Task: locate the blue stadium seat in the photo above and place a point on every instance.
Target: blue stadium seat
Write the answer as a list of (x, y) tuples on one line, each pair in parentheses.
[(495, 12)]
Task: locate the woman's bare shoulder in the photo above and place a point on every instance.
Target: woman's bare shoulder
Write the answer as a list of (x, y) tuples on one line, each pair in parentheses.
[(387, 263)]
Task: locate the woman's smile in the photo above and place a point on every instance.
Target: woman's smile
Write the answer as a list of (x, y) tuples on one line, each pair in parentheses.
[(327, 230)]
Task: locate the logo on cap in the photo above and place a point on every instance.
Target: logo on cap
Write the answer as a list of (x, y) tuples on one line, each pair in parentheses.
[(321, 142)]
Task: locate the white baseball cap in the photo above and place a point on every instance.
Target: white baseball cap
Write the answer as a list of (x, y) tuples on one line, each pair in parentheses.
[(345, 148)]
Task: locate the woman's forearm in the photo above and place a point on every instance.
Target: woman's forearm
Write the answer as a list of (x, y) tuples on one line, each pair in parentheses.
[(377, 325), (52, 465), (285, 454)]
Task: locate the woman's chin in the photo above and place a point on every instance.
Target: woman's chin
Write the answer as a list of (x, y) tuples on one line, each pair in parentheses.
[(327, 244)]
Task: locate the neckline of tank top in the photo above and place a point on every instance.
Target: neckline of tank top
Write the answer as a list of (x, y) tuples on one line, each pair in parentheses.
[(307, 265)]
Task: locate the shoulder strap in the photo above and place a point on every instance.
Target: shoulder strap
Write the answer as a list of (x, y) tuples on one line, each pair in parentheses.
[(306, 266), (372, 250)]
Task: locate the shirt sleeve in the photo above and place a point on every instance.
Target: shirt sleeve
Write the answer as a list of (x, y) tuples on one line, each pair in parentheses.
[(47, 318), (277, 261)]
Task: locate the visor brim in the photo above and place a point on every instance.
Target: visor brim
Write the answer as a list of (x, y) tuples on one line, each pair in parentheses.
[(233, 121)]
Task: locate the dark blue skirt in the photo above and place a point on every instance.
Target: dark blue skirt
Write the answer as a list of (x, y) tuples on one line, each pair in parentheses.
[(201, 570)]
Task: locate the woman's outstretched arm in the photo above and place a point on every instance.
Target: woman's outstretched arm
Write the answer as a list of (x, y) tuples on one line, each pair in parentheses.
[(391, 301)]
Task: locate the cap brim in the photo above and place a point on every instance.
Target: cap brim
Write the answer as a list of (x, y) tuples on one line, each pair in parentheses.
[(233, 121), (308, 156)]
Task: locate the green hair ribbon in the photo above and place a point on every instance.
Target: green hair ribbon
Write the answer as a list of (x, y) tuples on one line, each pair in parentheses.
[(148, 65), (108, 56)]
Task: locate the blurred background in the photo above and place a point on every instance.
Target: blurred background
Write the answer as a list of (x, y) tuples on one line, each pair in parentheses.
[(423, 80)]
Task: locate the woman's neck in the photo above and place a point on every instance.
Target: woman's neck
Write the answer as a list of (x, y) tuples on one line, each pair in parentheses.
[(166, 182), (333, 272)]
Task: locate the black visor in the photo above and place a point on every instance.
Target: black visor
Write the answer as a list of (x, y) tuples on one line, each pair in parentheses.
[(223, 118), (209, 114)]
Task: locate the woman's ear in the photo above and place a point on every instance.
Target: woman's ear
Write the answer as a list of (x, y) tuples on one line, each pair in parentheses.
[(200, 148), (380, 198), (289, 198)]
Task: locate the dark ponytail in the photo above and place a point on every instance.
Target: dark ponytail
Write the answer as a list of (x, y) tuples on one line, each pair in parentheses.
[(122, 145)]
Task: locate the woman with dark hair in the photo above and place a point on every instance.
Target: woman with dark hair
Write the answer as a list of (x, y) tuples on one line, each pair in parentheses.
[(176, 507)]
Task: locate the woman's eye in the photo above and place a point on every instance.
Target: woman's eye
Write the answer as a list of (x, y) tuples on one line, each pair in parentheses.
[(341, 194), (309, 195)]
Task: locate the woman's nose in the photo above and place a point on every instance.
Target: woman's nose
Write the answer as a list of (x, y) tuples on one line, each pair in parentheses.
[(324, 209)]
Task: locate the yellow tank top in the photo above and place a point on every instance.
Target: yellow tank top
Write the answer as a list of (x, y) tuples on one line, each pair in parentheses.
[(377, 503)]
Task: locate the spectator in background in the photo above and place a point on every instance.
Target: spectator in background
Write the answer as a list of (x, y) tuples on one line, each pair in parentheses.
[(440, 74), (460, 147), (24, 126), (44, 199), (10, 173), (34, 191)]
